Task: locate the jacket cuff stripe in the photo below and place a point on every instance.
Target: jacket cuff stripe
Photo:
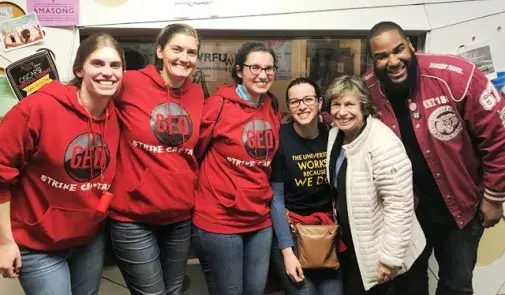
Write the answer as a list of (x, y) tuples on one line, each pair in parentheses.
[(494, 194), (494, 198)]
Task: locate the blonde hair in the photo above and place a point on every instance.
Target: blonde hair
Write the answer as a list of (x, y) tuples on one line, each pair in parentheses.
[(167, 34), (351, 84)]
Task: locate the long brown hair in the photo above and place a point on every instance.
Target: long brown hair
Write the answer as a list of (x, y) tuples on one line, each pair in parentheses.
[(90, 45)]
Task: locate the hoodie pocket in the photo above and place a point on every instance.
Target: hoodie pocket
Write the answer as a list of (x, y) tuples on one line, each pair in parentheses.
[(66, 227), (161, 194), (248, 203)]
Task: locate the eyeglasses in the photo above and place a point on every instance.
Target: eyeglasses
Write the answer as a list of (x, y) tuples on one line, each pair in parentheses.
[(308, 100), (256, 69)]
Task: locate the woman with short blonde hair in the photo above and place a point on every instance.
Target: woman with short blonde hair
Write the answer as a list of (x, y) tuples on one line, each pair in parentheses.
[(370, 178), (352, 84)]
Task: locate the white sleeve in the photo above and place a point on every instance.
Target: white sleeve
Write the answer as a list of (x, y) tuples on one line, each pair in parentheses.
[(392, 173)]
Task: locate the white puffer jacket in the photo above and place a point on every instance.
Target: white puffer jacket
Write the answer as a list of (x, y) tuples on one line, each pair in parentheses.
[(380, 200)]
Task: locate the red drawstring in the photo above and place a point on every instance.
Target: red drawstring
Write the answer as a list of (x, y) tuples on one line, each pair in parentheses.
[(91, 135), (264, 128), (176, 91), (103, 128), (182, 108)]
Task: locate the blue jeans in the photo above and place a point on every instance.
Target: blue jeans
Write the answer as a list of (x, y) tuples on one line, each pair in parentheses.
[(316, 282), (75, 271), (237, 263), (152, 258)]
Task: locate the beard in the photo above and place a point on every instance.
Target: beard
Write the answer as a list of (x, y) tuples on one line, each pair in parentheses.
[(390, 86)]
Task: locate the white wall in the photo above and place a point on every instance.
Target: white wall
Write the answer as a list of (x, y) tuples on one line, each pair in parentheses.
[(486, 29), (338, 20), (450, 14), (94, 13)]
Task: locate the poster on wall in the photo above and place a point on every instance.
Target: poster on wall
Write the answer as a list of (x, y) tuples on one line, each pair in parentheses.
[(480, 55), (190, 9), (282, 49), (216, 59), (27, 75), (54, 13), (20, 32)]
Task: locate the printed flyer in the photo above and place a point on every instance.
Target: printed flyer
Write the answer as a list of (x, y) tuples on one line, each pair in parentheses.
[(21, 32), (55, 13), (27, 75)]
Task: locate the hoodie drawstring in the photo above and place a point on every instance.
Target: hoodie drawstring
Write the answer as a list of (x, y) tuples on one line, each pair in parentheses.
[(92, 148), (262, 104), (182, 108), (103, 129), (176, 92)]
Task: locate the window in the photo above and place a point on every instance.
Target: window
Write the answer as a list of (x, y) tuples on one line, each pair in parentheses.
[(322, 59)]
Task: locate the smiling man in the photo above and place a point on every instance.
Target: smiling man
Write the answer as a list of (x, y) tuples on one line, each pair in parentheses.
[(451, 120)]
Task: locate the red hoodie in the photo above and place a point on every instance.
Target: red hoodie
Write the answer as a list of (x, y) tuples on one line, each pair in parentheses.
[(51, 169), (156, 173), (233, 194)]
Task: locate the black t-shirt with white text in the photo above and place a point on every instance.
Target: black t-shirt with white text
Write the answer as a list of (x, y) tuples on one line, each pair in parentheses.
[(301, 165)]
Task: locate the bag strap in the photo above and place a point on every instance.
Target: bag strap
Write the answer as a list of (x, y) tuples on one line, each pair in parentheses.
[(290, 222), (334, 209)]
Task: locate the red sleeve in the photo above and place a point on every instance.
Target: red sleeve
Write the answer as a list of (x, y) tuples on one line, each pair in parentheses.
[(120, 95), (485, 113), (5, 197), (15, 148), (211, 112)]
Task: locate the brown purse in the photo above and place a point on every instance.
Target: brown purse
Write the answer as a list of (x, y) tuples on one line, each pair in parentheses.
[(317, 245)]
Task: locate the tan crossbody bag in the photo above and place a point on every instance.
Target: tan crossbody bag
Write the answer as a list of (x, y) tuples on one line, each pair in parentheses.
[(317, 244)]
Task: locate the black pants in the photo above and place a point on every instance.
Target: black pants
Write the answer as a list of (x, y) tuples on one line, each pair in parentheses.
[(456, 254), (351, 277)]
